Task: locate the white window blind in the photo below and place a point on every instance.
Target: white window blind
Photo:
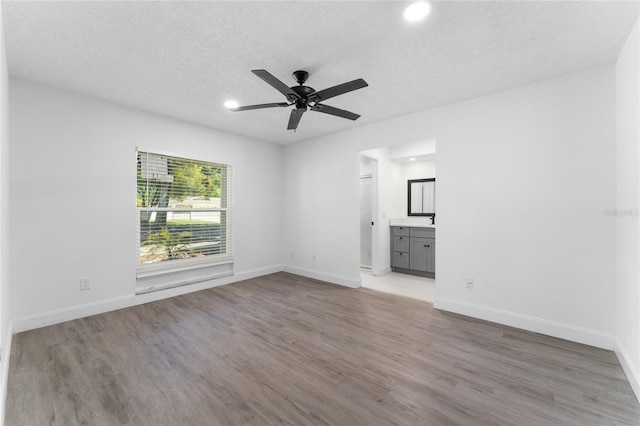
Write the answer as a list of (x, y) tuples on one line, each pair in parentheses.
[(185, 214)]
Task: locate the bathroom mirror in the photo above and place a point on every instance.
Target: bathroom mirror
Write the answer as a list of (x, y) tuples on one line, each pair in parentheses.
[(422, 197)]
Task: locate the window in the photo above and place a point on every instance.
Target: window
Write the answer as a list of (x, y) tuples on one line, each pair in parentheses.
[(184, 212)]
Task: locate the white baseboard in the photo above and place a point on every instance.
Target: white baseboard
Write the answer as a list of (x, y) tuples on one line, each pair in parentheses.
[(4, 371), (382, 271), (525, 322), (629, 368), (67, 314), (322, 276), (44, 319), (259, 272)]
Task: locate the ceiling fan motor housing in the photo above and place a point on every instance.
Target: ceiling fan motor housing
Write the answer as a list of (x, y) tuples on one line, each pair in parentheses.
[(303, 91)]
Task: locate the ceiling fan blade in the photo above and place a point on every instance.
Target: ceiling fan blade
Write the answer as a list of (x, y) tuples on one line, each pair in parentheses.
[(335, 111), (277, 84), (294, 118), (260, 106), (340, 89)]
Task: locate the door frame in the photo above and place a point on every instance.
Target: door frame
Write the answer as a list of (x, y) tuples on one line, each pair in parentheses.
[(377, 263)]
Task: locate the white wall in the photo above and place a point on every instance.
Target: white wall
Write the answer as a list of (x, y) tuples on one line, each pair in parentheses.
[(5, 295), (627, 202), (418, 170), (73, 199), (415, 170), (524, 177), (5, 283), (420, 148)]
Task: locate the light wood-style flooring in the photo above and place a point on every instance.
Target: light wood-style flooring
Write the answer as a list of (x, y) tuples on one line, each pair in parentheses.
[(284, 349), (400, 284)]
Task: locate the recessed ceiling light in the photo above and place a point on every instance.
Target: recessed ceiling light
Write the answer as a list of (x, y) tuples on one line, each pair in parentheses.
[(231, 104), (412, 159), (416, 11)]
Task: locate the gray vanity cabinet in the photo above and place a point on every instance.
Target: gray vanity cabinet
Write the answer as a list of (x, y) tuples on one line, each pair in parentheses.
[(422, 254), (401, 259), (431, 256), (413, 250), (400, 241)]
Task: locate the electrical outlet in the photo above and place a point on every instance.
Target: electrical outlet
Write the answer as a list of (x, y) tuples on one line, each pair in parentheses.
[(85, 283), (314, 257), (469, 283)]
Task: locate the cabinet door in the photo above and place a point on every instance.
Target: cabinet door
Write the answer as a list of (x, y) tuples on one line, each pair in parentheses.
[(431, 255), (400, 260), (418, 254)]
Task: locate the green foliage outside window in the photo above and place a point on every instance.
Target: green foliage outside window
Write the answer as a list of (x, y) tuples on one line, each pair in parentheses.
[(170, 246), (189, 180), (182, 208)]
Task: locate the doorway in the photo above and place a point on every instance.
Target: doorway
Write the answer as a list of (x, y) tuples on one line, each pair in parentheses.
[(384, 173), (367, 166)]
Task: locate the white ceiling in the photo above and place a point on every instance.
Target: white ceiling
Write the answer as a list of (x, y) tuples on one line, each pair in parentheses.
[(184, 59)]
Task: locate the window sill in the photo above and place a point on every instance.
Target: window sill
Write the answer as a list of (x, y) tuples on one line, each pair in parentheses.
[(181, 275), (159, 269)]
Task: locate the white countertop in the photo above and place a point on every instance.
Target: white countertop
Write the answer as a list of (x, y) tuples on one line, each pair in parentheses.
[(414, 222)]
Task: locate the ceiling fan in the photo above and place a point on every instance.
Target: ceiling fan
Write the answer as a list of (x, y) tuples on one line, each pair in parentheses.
[(304, 97)]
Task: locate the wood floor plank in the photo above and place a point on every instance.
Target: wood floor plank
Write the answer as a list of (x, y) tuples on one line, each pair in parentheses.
[(283, 349)]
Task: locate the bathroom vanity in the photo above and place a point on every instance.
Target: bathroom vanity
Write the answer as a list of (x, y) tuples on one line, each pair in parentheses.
[(413, 249)]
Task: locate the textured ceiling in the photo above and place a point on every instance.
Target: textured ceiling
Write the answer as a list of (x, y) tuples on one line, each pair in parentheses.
[(184, 59)]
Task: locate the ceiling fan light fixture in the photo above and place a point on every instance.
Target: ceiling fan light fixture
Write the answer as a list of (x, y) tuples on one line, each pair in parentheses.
[(416, 11), (231, 104)]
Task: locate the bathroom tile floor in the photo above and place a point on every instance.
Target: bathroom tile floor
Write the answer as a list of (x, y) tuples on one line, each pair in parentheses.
[(400, 284)]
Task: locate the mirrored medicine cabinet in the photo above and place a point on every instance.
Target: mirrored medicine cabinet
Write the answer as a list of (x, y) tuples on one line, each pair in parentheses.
[(422, 197)]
